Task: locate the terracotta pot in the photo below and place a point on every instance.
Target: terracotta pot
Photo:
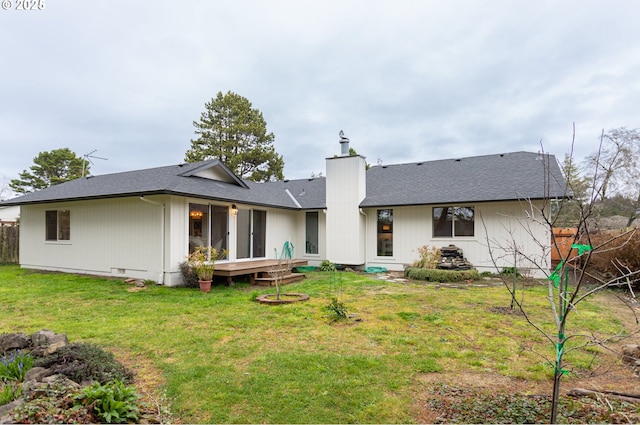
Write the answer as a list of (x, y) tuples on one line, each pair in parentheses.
[(205, 285)]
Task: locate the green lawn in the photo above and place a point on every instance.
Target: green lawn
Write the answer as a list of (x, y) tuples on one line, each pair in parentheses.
[(225, 358)]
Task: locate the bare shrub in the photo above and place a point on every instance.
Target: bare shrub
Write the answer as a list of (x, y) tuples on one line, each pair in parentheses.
[(619, 251)]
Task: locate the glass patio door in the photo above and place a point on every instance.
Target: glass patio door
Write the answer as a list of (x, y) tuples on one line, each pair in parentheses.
[(251, 233)]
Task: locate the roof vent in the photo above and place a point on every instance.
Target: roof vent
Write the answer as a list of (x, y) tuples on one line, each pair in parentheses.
[(458, 160), (419, 163)]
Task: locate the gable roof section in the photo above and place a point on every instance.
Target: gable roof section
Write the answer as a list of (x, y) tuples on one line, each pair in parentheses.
[(183, 180), (500, 177)]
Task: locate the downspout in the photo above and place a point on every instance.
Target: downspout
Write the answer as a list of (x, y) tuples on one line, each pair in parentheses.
[(366, 235), (162, 235)]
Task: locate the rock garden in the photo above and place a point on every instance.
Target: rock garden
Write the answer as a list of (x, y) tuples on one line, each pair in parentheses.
[(46, 379)]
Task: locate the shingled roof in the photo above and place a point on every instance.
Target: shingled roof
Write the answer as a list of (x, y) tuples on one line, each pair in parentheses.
[(501, 177)]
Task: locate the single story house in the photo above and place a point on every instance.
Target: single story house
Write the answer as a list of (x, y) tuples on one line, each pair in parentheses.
[(142, 224)]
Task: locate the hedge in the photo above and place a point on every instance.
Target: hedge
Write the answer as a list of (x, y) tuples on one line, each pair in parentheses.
[(438, 275)]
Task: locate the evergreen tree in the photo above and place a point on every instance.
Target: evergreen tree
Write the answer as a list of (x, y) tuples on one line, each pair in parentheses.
[(231, 130), (50, 168)]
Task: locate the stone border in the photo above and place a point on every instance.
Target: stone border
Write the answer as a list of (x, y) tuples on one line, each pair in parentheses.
[(288, 298)]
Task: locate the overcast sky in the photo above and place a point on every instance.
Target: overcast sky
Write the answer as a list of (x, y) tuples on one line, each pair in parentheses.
[(406, 80)]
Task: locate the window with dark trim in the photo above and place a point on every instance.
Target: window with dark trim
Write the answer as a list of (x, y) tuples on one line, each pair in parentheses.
[(311, 233), (385, 233), (453, 221), (57, 225)]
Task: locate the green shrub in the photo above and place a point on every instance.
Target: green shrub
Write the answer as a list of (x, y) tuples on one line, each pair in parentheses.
[(113, 402), (86, 362), (14, 365), (327, 266), (437, 275), (510, 271)]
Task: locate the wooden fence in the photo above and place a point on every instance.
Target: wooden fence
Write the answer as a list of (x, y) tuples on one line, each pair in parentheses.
[(9, 244)]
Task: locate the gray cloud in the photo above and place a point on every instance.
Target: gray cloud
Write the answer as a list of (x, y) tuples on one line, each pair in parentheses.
[(405, 80)]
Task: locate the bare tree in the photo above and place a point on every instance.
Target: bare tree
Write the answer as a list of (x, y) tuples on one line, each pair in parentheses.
[(567, 281), (616, 166)]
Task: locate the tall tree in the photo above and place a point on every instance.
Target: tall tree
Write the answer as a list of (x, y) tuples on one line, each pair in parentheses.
[(231, 130), (567, 211), (618, 164), (48, 169)]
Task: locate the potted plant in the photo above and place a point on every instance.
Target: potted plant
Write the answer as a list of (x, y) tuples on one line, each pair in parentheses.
[(203, 262)]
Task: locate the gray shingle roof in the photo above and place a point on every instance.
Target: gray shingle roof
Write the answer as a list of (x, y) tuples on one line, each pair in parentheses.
[(499, 177), (509, 176)]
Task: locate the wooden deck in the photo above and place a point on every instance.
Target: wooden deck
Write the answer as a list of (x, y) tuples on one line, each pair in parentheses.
[(255, 269)]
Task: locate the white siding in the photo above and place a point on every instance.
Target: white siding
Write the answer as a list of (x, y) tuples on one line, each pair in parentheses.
[(120, 237), (345, 189), (505, 222)]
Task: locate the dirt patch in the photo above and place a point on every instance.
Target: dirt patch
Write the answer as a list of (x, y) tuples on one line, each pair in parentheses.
[(461, 385), (149, 382)]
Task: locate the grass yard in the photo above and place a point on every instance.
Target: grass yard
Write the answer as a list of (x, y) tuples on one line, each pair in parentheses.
[(223, 358)]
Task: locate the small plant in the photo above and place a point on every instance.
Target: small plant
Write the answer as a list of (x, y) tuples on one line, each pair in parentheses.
[(113, 402), (337, 310), (510, 271), (86, 362), (203, 261), (327, 266), (14, 366), (52, 403), (10, 392), (429, 257)]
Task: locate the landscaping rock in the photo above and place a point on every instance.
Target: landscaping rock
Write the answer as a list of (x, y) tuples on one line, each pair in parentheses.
[(5, 417), (37, 374), (16, 341), (631, 353), (46, 338)]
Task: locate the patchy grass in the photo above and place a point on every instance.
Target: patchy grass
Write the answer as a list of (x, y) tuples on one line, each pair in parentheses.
[(225, 358)]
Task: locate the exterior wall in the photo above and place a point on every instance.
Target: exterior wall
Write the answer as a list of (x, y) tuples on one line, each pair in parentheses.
[(281, 225), (345, 225), (505, 222), (116, 237)]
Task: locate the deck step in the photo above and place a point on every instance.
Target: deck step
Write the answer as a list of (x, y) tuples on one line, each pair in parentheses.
[(289, 278)]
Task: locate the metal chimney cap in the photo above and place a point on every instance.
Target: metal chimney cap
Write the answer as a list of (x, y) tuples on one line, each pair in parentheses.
[(344, 144)]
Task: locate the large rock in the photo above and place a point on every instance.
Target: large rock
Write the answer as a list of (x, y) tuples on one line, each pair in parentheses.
[(47, 337), (37, 374), (17, 341)]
